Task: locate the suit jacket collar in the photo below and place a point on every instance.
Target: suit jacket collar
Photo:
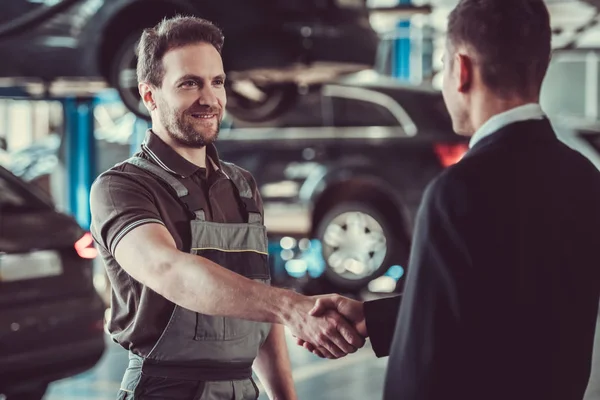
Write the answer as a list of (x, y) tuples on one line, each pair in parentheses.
[(521, 133), (499, 121)]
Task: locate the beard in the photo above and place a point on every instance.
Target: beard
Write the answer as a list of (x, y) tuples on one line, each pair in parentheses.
[(183, 128)]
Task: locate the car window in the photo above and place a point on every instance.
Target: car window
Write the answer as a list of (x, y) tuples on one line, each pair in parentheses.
[(15, 197), (308, 111), (347, 112)]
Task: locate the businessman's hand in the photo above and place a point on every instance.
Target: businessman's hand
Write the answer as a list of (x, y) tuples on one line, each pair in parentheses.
[(352, 310), (325, 329)]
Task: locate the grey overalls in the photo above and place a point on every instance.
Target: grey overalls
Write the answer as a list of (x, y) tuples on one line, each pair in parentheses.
[(216, 352)]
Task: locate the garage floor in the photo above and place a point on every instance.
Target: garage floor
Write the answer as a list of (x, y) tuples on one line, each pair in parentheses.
[(358, 376)]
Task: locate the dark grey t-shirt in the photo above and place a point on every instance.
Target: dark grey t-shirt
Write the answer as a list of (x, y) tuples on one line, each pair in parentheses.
[(126, 197)]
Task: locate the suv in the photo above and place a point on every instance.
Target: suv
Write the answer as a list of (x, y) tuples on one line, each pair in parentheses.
[(270, 47), (51, 317), (347, 167)]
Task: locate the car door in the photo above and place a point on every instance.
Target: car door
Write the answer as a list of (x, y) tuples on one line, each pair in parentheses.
[(371, 135), (285, 156)]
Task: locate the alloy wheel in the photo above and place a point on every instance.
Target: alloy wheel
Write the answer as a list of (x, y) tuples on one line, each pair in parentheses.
[(354, 245)]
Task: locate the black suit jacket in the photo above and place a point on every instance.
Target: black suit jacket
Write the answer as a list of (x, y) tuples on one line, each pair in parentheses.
[(502, 292)]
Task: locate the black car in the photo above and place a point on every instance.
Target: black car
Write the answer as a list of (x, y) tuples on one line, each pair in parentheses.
[(270, 46), (51, 317), (347, 168)]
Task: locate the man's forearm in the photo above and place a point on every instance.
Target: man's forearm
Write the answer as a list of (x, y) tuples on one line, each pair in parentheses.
[(149, 255), (200, 285), (273, 366)]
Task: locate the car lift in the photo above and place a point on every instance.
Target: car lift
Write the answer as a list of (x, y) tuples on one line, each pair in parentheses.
[(404, 41), (78, 109), (79, 141), (401, 63), (79, 146)]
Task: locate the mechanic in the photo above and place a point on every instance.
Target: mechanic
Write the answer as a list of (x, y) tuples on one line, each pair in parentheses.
[(182, 236)]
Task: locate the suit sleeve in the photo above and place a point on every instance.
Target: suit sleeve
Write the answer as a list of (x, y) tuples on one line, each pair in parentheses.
[(427, 340), (380, 316)]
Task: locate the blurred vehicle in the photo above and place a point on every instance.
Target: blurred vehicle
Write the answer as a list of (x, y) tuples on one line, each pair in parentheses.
[(347, 167), (51, 317), (39, 159), (271, 45)]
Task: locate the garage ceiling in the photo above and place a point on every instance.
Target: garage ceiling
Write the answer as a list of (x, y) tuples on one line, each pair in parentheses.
[(570, 19)]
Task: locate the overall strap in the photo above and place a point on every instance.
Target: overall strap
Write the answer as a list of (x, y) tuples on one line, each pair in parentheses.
[(244, 190), (178, 187)]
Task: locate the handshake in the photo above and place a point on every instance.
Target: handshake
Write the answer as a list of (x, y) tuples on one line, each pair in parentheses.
[(330, 326)]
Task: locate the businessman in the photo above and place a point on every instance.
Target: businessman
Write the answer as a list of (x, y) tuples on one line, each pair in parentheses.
[(502, 292)]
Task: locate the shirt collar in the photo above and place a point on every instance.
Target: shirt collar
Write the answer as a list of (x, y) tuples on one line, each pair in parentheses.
[(499, 121), (168, 159)]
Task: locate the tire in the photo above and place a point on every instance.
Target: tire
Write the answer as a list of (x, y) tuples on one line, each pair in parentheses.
[(278, 98), (122, 75), (341, 245)]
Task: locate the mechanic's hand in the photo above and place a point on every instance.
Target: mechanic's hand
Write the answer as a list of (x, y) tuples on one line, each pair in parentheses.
[(351, 309), (328, 330)]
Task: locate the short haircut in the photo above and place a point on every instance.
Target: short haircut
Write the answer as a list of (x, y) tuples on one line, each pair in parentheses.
[(511, 40), (172, 33)]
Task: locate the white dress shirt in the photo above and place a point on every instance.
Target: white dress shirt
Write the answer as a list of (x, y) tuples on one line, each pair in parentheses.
[(499, 121)]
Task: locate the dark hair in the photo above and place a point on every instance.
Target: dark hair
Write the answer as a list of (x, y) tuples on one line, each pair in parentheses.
[(169, 34), (511, 40)]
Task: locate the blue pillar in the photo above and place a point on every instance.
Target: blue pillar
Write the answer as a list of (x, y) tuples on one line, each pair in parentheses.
[(401, 59), (428, 50), (80, 156), (137, 136)]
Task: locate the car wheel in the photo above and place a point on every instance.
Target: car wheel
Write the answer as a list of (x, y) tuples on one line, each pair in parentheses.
[(252, 102), (123, 76), (29, 393), (247, 100), (358, 245)]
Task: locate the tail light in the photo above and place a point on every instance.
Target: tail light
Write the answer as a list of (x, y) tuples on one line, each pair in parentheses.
[(85, 247), (450, 154)]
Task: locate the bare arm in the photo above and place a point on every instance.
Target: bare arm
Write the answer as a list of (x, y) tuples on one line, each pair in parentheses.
[(273, 366), (148, 253)]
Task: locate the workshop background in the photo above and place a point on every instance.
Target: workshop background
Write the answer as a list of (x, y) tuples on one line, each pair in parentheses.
[(334, 106)]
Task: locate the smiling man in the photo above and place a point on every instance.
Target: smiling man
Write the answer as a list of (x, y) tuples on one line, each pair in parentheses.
[(182, 237)]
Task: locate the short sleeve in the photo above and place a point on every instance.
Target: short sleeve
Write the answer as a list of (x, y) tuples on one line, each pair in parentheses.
[(119, 204)]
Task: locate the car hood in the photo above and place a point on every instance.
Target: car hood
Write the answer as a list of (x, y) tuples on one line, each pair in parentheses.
[(38, 230)]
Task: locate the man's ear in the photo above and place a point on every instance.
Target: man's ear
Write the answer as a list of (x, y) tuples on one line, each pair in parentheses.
[(147, 94), (464, 72)]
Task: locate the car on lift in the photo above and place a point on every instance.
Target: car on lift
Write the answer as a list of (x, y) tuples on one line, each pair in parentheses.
[(347, 167), (271, 47), (51, 317)]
